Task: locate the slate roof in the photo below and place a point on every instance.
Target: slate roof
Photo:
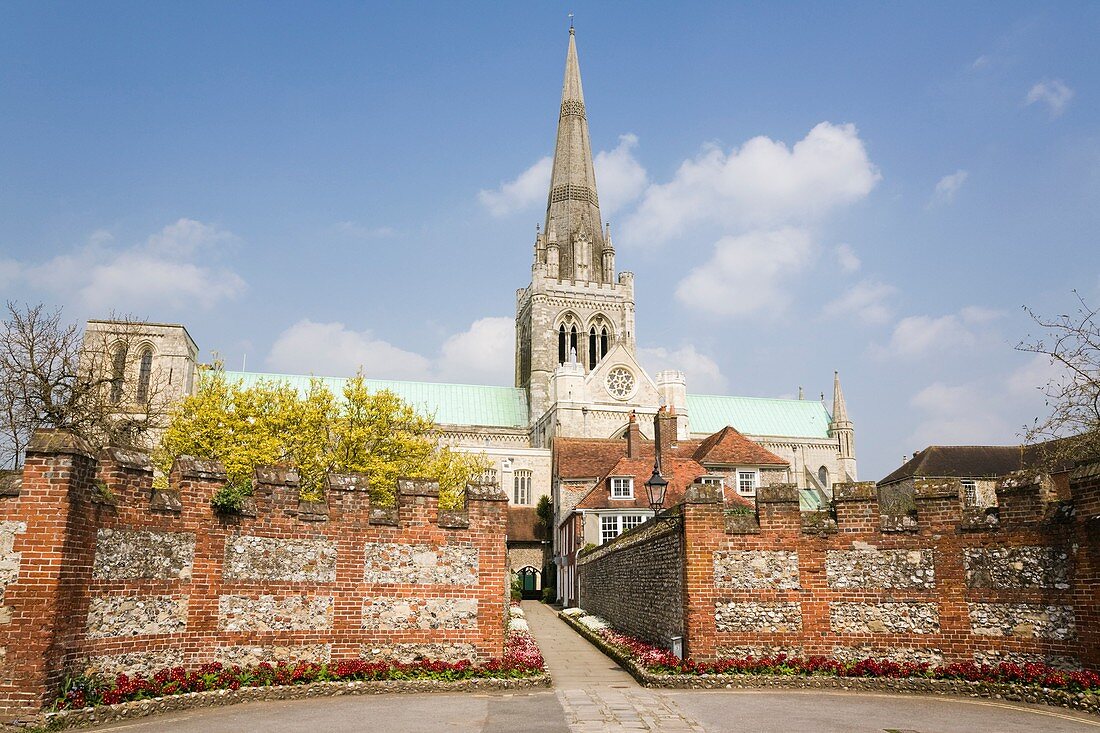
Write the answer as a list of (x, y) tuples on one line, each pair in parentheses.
[(447, 404), (963, 461)]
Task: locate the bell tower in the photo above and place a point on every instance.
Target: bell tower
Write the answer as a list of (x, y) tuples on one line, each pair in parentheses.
[(576, 307)]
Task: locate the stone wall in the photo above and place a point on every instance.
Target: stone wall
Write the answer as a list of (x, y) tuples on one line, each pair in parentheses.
[(935, 581), (636, 582), (135, 579)]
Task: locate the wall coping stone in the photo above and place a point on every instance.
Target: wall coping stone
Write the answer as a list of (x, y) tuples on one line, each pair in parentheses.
[(166, 500), (777, 494), (347, 482), (704, 494), (10, 484), (820, 522), (938, 488), (130, 458), (58, 442), (485, 492), (417, 487), (854, 491), (454, 519), (1019, 481), (276, 475), (742, 524), (1087, 470), (199, 468)]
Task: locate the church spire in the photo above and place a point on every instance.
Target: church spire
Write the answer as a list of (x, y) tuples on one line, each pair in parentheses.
[(841, 429), (840, 409), (572, 207)]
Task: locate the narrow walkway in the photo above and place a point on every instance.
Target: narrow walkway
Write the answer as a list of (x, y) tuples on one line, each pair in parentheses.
[(597, 695)]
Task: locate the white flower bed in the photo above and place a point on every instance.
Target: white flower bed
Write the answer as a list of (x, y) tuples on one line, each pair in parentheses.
[(518, 624), (594, 623), (574, 612), (516, 612)]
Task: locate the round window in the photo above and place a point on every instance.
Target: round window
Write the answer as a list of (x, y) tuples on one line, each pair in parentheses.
[(620, 383)]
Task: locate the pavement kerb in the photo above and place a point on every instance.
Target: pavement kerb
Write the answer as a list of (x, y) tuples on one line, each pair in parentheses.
[(1086, 702)]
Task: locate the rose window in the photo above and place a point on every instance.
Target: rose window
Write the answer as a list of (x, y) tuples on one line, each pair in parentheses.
[(620, 383)]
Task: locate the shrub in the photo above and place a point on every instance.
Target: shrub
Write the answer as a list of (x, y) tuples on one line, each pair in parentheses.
[(549, 594), (229, 499)]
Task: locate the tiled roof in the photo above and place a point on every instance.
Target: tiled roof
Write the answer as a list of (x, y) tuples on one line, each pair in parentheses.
[(680, 473), (523, 524), (448, 404), (588, 457), (758, 416), (730, 447)]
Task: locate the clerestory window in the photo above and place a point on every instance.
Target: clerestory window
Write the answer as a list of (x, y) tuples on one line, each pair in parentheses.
[(145, 375)]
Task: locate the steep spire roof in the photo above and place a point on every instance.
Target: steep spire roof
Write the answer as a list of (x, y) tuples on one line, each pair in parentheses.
[(572, 207), (840, 409)]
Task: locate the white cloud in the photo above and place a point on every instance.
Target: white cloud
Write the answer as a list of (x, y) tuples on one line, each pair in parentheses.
[(981, 62), (917, 336), (965, 414), (864, 300), (748, 273), (947, 187), (482, 354), (309, 347), (702, 372), (1052, 92), (762, 183), (522, 191), (847, 258), (620, 178), (172, 269)]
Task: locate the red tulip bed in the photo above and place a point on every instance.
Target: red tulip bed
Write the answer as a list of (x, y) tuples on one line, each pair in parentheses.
[(662, 662), (522, 658)]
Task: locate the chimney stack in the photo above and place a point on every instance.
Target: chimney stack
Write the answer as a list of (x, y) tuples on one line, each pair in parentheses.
[(633, 438)]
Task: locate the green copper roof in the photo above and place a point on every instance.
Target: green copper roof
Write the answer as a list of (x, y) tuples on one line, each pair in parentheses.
[(758, 416), (448, 404)]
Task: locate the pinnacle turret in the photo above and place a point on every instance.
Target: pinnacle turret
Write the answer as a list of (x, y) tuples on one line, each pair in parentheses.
[(572, 206), (840, 409)]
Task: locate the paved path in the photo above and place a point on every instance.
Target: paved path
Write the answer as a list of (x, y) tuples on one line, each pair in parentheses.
[(592, 695), (596, 694)]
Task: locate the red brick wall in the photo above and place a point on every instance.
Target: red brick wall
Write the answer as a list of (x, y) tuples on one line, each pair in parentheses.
[(48, 599)]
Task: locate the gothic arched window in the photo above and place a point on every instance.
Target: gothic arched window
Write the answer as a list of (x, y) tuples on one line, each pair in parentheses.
[(118, 373), (823, 477), (145, 374), (573, 350), (604, 342), (563, 354), (593, 355)]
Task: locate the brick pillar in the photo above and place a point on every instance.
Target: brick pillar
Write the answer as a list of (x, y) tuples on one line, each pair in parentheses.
[(704, 529), (857, 508), (939, 503), (777, 508), (196, 481), (487, 512), (1020, 498), (1084, 486), (52, 546)]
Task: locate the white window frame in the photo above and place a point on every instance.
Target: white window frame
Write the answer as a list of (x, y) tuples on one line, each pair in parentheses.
[(712, 480), (613, 525), (970, 491), (521, 480), (743, 472), (617, 482)]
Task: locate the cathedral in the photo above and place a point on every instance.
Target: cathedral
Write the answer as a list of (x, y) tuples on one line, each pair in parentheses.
[(580, 423)]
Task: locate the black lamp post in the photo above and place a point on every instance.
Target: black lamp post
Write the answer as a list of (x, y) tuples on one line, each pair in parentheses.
[(656, 487)]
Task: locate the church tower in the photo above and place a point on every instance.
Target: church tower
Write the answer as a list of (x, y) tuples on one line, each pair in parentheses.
[(576, 309)]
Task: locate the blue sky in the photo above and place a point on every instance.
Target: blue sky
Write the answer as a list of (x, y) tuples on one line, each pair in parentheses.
[(870, 187)]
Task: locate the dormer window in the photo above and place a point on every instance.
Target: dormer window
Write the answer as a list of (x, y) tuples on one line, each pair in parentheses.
[(711, 480), (622, 487)]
